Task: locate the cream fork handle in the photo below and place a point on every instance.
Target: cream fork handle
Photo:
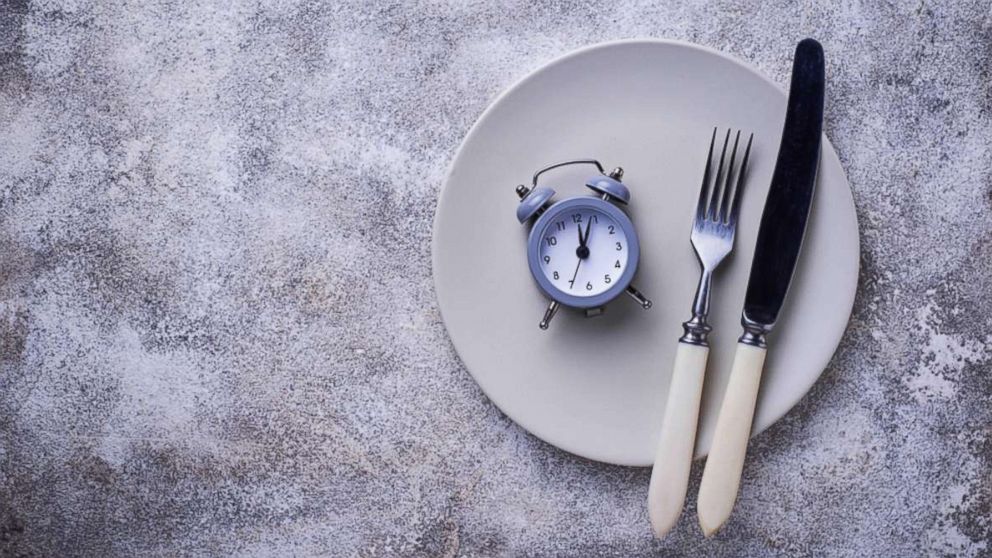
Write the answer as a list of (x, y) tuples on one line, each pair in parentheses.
[(722, 474), (673, 458)]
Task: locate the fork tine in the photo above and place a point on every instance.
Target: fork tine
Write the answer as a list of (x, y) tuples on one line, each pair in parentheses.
[(704, 189), (716, 193), (735, 208), (728, 193)]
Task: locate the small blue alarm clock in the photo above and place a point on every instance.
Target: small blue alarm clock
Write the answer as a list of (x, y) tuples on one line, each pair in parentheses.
[(583, 251)]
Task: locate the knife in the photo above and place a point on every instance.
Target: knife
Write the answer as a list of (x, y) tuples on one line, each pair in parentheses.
[(780, 237)]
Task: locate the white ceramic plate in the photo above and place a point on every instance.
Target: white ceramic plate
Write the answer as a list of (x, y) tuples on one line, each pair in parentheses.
[(597, 387)]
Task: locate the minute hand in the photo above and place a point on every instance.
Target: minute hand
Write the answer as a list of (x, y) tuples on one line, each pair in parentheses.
[(783, 224)]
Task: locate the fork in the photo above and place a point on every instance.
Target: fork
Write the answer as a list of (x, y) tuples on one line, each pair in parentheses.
[(713, 230)]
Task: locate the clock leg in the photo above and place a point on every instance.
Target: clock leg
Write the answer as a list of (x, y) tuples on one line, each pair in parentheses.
[(636, 295), (549, 313)]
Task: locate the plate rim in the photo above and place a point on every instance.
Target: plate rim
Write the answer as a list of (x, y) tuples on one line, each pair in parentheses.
[(827, 151)]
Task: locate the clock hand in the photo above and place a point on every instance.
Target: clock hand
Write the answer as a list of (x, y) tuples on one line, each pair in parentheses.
[(585, 242), (582, 251), (574, 275)]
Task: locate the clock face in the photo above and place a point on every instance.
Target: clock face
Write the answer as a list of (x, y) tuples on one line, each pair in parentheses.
[(583, 251)]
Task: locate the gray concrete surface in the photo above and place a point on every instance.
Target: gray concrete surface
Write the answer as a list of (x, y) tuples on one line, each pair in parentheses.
[(218, 334)]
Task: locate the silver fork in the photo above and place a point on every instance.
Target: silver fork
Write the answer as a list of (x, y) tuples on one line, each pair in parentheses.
[(713, 230)]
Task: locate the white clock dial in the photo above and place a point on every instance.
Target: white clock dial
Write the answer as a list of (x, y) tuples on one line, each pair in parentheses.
[(583, 251)]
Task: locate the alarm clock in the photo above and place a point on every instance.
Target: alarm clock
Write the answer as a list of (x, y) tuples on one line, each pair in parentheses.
[(582, 251)]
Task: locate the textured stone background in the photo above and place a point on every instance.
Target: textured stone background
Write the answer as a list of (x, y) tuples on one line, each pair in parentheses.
[(218, 332)]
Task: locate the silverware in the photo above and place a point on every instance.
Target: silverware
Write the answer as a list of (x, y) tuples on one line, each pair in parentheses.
[(780, 235), (712, 238)]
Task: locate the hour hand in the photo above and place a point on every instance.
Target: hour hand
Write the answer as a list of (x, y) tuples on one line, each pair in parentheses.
[(582, 239)]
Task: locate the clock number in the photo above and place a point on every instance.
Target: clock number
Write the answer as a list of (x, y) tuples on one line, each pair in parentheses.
[(553, 241), (560, 225), (594, 218), (588, 286), (619, 246), (617, 265), (577, 218), (556, 276), (607, 279), (611, 230), (547, 259)]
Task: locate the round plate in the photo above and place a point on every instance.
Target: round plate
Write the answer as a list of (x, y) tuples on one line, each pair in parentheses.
[(597, 387)]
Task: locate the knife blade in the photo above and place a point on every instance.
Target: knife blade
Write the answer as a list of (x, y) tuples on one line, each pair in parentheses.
[(780, 237), (783, 222)]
